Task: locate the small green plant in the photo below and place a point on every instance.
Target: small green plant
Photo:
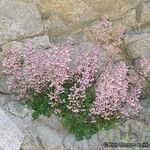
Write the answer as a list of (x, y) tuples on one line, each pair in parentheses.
[(86, 97), (79, 124)]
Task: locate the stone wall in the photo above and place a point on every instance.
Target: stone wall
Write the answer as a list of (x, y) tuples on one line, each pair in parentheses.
[(46, 21)]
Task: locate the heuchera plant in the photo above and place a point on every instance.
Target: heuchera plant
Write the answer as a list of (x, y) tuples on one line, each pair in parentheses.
[(85, 97)]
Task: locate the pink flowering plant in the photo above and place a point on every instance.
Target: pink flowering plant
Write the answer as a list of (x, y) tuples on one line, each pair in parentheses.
[(86, 97)]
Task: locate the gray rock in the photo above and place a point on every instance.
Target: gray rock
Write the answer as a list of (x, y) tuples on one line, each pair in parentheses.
[(3, 86), (106, 136), (31, 145), (55, 24), (40, 42), (17, 109), (145, 111), (52, 122), (70, 143), (139, 129), (10, 136), (51, 139), (144, 16), (77, 37), (81, 145), (31, 141), (94, 143), (26, 126), (138, 43), (4, 100), (129, 20), (19, 19)]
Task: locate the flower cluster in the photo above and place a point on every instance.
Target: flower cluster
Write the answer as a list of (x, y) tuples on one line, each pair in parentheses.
[(50, 69), (143, 66), (84, 77), (112, 90)]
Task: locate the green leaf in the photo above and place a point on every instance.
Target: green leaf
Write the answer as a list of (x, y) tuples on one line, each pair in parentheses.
[(35, 115)]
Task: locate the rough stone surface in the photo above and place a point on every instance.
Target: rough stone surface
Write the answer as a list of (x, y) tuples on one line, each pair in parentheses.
[(26, 126), (10, 136), (52, 122), (139, 130), (138, 43), (94, 143), (144, 16), (5, 100), (55, 25), (70, 143), (75, 14), (39, 42), (18, 19), (1, 57), (51, 139), (3, 87), (31, 140), (17, 109), (129, 20), (71, 11)]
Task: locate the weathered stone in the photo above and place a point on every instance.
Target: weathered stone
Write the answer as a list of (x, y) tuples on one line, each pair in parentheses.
[(4, 100), (145, 111), (77, 38), (126, 5), (52, 122), (146, 88), (94, 143), (3, 87), (19, 19), (107, 7), (17, 109), (85, 145), (76, 14), (31, 141), (129, 20), (81, 145), (134, 131), (26, 126), (51, 139), (10, 136), (39, 42), (70, 143), (138, 43), (71, 11), (144, 16), (55, 24), (1, 57), (139, 129), (31, 146), (106, 136)]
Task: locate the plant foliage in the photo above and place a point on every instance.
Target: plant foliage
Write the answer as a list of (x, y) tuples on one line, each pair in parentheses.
[(87, 97)]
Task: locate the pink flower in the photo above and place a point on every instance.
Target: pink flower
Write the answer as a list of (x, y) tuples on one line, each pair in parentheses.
[(42, 69)]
